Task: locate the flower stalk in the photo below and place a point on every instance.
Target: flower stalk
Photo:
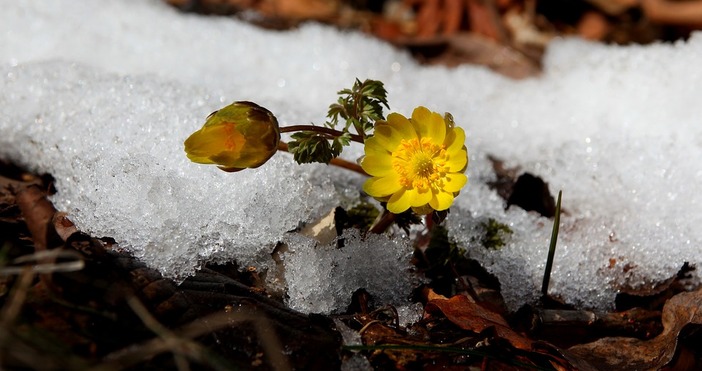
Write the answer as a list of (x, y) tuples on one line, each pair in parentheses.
[(348, 165), (330, 133)]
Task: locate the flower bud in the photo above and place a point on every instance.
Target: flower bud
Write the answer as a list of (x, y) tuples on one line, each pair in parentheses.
[(239, 136)]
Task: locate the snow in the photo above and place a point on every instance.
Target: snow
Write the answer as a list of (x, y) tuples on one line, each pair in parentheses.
[(320, 278), (102, 94)]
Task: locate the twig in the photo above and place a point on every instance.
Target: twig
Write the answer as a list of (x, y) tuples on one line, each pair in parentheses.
[(382, 222)]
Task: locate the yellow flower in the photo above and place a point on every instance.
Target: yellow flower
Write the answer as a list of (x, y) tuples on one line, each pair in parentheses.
[(239, 136), (417, 162)]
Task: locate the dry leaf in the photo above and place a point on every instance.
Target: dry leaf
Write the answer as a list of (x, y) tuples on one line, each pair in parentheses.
[(64, 227), (484, 20), (472, 48), (472, 317), (428, 18), (299, 9), (684, 13), (618, 353), (38, 213)]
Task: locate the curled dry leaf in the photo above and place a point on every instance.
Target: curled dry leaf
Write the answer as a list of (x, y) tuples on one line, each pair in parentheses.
[(468, 315), (64, 227), (38, 213), (472, 317), (618, 353)]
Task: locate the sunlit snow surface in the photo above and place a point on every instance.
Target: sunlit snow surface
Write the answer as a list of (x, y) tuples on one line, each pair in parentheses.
[(101, 94)]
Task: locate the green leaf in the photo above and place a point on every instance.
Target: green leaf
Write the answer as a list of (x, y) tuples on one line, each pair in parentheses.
[(552, 246), (309, 146), (336, 110), (359, 107), (339, 142)]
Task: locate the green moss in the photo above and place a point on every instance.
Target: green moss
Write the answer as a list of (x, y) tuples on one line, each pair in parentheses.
[(495, 234), (360, 216), (363, 214)]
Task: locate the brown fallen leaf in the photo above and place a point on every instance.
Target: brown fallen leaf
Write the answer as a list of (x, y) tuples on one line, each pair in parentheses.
[(63, 225), (472, 317), (619, 353), (464, 313), (38, 213), (685, 13), (428, 17), (452, 16), (299, 9), (614, 7), (471, 48), (485, 20), (593, 26)]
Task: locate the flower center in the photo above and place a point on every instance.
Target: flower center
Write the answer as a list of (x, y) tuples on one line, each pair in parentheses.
[(421, 164)]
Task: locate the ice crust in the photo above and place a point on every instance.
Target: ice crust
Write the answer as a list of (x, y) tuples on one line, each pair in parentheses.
[(102, 94), (374, 263)]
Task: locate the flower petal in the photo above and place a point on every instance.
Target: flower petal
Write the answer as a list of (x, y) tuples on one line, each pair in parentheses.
[(402, 125), (441, 200), (454, 182), (228, 159), (458, 161), (455, 140), (377, 165), (371, 146), (399, 202), (382, 186), (205, 143), (437, 128), (420, 198), (387, 137), (429, 124), (420, 116)]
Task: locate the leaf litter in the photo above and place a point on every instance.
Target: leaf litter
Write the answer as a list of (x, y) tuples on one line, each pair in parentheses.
[(113, 311)]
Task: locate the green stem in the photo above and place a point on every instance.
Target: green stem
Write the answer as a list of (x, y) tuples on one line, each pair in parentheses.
[(348, 165), (358, 99), (320, 129)]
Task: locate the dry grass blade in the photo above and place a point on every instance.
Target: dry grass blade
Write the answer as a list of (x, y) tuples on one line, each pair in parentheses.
[(13, 306), (44, 263), (180, 344), (8, 315)]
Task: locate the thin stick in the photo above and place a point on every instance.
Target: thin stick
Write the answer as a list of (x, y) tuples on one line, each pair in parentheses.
[(552, 248), (320, 129), (348, 165), (382, 223)]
